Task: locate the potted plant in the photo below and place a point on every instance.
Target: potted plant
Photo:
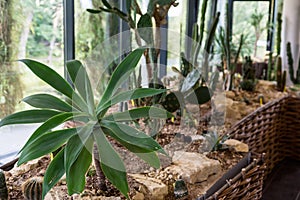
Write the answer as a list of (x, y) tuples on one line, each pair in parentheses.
[(75, 155)]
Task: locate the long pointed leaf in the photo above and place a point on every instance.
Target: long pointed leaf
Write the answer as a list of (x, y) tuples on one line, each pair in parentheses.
[(76, 176), (150, 157), (28, 117), (75, 145), (128, 95), (121, 74), (123, 132), (54, 80), (47, 101), (82, 82), (190, 80), (49, 76), (54, 172), (45, 144), (137, 113), (111, 163), (48, 125)]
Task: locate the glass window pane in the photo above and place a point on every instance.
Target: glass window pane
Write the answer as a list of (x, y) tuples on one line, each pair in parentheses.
[(28, 29), (250, 18)]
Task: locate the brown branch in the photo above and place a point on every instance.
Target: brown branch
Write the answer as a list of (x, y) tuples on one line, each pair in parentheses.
[(138, 9)]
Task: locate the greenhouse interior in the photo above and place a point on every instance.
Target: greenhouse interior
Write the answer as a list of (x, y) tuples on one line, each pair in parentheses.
[(150, 99)]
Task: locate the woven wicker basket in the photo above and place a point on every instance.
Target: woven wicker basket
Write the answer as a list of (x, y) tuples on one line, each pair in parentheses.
[(243, 181), (273, 129)]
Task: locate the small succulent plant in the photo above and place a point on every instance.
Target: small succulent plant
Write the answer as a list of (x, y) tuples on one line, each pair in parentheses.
[(295, 80), (172, 101), (214, 142), (280, 77), (180, 189), (248, 85), (33, 188)]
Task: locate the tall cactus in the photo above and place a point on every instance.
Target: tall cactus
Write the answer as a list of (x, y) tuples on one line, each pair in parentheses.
[(3, 187), (270, 66), (295, 80), (278, 71), (200, 36), (208, 45), (279, 27), (280, 77), (271, 69)]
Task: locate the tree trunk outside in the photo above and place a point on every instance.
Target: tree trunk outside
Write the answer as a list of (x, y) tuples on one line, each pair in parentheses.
[(57, 19), (10, 85), (24, 35)]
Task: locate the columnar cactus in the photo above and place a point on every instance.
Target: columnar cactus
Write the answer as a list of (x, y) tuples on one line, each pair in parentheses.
[(280, 77), (279, 23), (291, 65), (3, 187), (32, 188)]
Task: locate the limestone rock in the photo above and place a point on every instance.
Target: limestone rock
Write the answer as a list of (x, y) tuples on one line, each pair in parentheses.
[(194, 167), (197, 137), (138, 196), (237, 145), (175, 146), (154, 188), (230, 94), (16, 171), (79, 197)]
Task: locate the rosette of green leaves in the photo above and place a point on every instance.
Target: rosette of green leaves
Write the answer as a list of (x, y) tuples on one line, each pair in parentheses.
[(75, 156)]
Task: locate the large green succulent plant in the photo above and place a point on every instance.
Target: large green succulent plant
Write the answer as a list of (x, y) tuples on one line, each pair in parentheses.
[(75, 157)]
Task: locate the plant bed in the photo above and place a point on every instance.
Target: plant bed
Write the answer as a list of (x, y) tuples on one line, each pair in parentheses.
[(109, 132), (228, 159), (17, 176)]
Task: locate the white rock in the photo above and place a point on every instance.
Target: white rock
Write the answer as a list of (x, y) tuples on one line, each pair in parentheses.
[(138, 196), (157, 189), (197, 137), (237, 145), (194, 167), (16, 171)]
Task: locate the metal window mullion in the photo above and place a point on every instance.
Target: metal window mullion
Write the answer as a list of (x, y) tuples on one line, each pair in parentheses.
[(192, 16), (163, 57), (69, 32)]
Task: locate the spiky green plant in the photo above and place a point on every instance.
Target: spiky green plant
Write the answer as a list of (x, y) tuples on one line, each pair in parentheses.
[(280, 77), (33, 188), (75, 157), (295, 80)]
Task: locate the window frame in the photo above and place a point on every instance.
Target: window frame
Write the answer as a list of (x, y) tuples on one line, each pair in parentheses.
[(271, 19)]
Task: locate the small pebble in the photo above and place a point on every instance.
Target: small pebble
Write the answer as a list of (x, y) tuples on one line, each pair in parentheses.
[(151, 169)]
